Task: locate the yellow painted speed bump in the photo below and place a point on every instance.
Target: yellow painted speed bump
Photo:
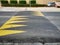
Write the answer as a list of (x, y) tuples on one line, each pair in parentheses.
[(9, 24), (9, 32)]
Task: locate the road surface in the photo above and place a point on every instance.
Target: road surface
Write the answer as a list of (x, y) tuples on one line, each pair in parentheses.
[(29, 26)]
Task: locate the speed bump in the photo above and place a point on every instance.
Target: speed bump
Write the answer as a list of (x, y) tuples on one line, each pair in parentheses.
[(9, 24)]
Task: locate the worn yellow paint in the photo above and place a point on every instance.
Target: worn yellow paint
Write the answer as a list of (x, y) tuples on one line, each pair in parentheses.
[(15, 18), (14, 21), (9, 32), (12, 25), (20, 16), (9, 24), (17, 21), (38, 13)]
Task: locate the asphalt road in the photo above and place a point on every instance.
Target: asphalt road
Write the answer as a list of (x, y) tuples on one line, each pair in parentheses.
[(29, 26)]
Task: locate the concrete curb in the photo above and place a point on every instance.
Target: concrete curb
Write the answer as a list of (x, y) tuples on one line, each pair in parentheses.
[(43, 9)]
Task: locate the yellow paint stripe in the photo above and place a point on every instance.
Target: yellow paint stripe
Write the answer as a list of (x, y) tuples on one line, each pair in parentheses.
[(11, 26), (9, 32), (20, 16), (16, 21), (38, 14)]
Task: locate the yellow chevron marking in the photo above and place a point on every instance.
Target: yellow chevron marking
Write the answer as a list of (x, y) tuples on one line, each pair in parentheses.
[(20, 16), (9, 25), (17, 21), (8, 32), (38, 14), (13, 18), (14, 21)]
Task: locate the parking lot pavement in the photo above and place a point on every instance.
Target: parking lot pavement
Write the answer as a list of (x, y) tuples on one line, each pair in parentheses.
[(27, 26), (54, 17)]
